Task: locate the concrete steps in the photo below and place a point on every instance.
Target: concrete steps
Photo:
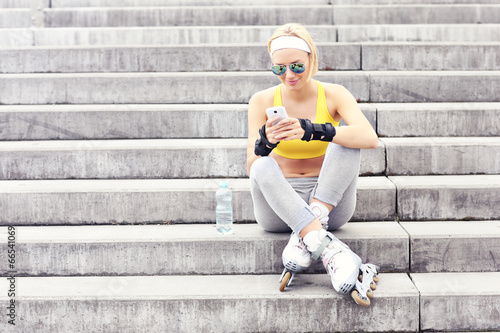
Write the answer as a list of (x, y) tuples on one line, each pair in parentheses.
[(237, 87), (248, 57)]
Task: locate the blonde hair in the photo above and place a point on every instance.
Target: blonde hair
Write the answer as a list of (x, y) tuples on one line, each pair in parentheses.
[(298, 30)]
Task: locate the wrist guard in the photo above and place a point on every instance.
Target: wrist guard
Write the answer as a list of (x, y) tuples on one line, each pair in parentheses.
[(321, 132), (262, 146)]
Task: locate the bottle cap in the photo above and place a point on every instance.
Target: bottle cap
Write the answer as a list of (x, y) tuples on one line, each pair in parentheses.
[(223, 184)]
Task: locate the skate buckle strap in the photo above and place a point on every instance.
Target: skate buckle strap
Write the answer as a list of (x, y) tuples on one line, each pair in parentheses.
[(321, 248)]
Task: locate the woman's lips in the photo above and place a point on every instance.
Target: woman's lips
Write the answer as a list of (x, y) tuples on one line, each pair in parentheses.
[(292, 83)]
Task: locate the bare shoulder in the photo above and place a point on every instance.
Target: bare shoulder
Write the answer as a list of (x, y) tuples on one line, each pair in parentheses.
[(263, 98)]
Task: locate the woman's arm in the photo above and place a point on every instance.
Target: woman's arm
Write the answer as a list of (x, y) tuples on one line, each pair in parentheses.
[(358, 133), (256, 118)]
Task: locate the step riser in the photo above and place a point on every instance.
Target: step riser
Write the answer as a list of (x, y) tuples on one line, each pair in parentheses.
[(165, 59), (418, 33), (238, 87), (248, 58), (188, 16), (142, 3), (438, 120), (173, 159), (416, 14), (193, 254), (153, 201)]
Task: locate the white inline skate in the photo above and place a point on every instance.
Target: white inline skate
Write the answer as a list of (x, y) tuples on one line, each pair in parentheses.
[(346, 270), (296, 258)]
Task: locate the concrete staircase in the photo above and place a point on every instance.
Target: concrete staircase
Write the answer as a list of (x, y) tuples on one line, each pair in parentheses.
[(119, 118)]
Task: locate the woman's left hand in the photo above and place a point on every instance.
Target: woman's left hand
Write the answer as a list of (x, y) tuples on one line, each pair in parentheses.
[(288, 129)]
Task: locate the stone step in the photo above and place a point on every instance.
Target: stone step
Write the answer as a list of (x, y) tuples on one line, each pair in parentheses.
[(187, 16), (443, 33), (445, 293), (142, 159), (217, 303), (438, 119), (248, 57), (168, 58), (70, 202), (442, 156), (454, 246), (186, 249), (416, 14), (447, 197), (202, 158), (418, 33), (15, 18), (238, 87), (156, 3), (148, 121), (399, 2)]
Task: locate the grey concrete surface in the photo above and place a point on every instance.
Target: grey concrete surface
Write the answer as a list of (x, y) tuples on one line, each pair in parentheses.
[(237, 87), (187, 16), (448, 197), (438, 119), (419, 33), (416, 14), (442, 155), (135, 3), (451, 246), (186, 249), (168, 58), (473, 295), (146, 88), (71, 202), (142, 159), (431, 56), (238, 303), (15, 18)]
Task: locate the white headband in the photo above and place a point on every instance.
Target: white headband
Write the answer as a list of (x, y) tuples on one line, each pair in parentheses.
[(289, 42)]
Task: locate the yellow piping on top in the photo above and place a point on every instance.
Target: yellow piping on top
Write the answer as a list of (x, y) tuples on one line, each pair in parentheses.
[(298, 149)]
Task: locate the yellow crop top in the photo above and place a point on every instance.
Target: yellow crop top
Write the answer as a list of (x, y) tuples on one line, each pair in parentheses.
[(298, 149)]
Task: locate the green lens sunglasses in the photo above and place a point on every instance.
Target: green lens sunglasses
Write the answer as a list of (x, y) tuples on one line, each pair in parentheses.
[(281, 69)]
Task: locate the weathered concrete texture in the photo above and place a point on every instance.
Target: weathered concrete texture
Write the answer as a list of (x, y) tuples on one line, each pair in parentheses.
[(447, 197), (416, 14), (136, 3), (403, 2), (179, 58), (443, 56), (422, 86), (241, 303), (132, 121), (16, 37), (237, 87), (438, 119), (419, 33), (473, 296), (143, 159), (168, 35), (146, 88), (15, 18), (144, 121), (454, 246), (442, 156), (187, 16), (153, 201), (186, 249)]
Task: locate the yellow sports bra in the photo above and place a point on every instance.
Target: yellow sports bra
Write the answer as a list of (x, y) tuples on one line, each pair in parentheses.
[(298, 149)]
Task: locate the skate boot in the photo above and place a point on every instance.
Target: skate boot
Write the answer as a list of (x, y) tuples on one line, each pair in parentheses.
[(344, 267), (296, 258)]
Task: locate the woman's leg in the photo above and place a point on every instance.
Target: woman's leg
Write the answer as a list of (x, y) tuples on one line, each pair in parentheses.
[(337, 184), (277, 206)]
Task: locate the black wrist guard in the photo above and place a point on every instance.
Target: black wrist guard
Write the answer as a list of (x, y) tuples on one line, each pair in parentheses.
[(262, 146), (321, 132)]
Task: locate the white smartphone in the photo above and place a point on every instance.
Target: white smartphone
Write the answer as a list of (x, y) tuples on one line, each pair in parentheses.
[(276, 111)]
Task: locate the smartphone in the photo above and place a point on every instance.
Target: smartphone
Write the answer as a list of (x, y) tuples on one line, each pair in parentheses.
[(276, 111)]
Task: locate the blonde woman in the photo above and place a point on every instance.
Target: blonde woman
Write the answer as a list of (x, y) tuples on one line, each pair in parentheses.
[(303, 169)]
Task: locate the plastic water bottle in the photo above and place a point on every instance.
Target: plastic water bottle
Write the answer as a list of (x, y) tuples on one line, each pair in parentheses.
[(224, 210)]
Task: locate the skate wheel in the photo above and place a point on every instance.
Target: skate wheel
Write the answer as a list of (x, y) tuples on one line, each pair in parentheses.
[(373, 285), (376, 278), (284, 281), (369, 293), (363, 301)]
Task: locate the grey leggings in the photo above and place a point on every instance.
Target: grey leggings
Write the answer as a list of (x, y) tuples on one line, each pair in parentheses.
[(281, 204)]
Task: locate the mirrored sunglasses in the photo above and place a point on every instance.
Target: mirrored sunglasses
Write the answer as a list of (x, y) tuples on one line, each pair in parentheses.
[(281, 69)]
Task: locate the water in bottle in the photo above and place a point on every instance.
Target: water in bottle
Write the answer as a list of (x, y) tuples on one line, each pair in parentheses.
[(224, 210)]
